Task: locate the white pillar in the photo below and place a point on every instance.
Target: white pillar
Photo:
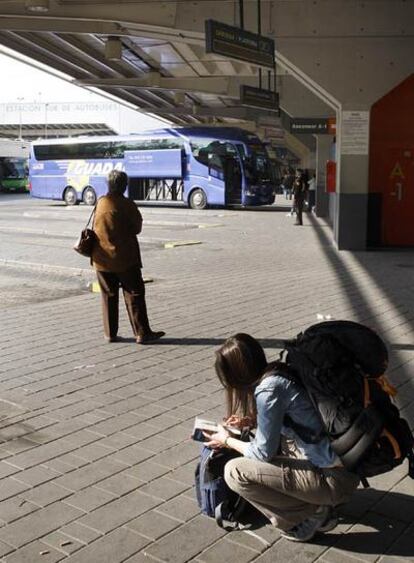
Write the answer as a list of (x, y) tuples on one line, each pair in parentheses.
[(350, 220)]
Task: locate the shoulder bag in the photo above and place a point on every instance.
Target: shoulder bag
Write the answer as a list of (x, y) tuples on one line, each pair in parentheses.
[(87, 239)]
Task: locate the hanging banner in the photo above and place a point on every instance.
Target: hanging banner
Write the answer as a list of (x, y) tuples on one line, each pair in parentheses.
[(236, 43), (259, 98)]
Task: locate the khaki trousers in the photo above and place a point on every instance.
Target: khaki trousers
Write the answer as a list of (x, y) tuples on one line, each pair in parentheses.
[(288, 490), (134, 296)]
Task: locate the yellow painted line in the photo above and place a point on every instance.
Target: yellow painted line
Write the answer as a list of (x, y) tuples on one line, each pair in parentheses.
[(94, 286), (176, 243), (210, 225)]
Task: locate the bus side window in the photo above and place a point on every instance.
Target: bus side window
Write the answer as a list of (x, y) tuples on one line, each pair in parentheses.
[(118, 150)]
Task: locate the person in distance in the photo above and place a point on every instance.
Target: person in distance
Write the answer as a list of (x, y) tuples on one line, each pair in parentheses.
[(116, 258), (294, 482)]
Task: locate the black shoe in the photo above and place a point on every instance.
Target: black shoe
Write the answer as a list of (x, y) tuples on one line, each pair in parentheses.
[(112, 338), (150, 337)]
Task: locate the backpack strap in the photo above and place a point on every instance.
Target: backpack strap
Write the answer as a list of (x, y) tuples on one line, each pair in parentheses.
[(411, 463), (227, 519), (304, 433), (221, 521), (283, 370)]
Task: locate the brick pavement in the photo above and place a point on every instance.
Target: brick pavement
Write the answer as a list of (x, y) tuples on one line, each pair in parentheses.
[(96, 464)]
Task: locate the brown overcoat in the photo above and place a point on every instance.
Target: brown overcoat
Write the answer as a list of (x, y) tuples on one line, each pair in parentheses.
[(116, 224)]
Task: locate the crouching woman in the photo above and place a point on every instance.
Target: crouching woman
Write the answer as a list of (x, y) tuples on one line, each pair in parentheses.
[(288, 471)]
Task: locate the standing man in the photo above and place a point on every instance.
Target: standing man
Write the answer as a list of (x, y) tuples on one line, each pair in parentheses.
[(299, 195), (117, 260)]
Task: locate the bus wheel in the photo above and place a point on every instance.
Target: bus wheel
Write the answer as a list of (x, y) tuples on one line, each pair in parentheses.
[(89, 196), (70, 196), (198, 199)]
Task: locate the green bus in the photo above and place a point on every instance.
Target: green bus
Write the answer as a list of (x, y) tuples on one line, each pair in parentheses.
[(14, 169)]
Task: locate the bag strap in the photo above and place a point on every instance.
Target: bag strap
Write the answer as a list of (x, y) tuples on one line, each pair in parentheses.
[(282, 369), (411, 462), (225, 523), (91, 215)]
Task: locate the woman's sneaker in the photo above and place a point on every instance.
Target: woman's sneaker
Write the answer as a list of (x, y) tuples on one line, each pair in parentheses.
[(331, 521), (322, 521)]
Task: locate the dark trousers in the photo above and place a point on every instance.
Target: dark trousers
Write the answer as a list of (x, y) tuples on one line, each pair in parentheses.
[(299, 210), (134, 296), (311, 199)]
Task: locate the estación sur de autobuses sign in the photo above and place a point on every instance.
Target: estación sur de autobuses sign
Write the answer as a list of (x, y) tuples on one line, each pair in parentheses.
[(236, 43)]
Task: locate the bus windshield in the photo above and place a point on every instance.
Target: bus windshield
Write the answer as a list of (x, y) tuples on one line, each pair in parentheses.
[(205, 150), (260, 165), (13, 168)]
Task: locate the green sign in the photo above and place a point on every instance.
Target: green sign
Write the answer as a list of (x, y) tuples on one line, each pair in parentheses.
[(236, 43), (258, 98)]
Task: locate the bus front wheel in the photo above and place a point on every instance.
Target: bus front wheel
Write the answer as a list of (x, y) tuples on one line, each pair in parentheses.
[(89, 196), (198, 199), (70, 196)]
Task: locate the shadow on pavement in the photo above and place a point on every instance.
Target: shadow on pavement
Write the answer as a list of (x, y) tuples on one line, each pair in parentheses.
[(278, 343), (366, 311), (369, 533), (374, 532)]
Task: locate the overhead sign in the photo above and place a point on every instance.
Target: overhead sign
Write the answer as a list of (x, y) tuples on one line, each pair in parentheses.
[(312, 125), (355, 132), (259, 98), (236, 43)]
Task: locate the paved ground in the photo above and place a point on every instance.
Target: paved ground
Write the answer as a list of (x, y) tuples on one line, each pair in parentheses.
[(96, 465)]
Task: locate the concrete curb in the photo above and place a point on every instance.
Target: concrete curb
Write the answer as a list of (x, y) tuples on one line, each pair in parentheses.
[(94, 286), (46, 267), (210, 225), (174, 244)]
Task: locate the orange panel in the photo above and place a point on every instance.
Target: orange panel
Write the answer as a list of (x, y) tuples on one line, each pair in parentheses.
[(392, 162), (330, 176)]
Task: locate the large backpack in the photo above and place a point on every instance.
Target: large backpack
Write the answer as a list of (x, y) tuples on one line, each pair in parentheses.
[(341, 364), (214, 497)]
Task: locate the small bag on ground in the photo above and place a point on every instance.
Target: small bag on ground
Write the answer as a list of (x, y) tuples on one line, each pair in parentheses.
[(214, 497)]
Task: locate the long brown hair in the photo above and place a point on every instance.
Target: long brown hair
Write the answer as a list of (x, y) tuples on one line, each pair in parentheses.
[(240, 365)]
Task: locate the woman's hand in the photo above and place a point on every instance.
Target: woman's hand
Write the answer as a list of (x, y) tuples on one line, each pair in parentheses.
[(218, 439), (240, 421)]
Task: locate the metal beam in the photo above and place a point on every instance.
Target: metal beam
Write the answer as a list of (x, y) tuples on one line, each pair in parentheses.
[(233, 112), (89, 52), (59, 25), (220, 86), (32, 50)]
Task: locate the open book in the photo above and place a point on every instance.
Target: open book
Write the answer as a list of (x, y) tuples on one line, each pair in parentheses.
[(201, 425)]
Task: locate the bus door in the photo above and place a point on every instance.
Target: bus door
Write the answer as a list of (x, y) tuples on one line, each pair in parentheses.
[(232, 180), (224, 169), (216, 178)]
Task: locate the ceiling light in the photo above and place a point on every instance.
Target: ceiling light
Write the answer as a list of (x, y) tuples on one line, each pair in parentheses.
[(37, 6)]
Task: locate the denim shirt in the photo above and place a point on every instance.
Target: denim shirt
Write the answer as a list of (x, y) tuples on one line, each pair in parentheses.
[(277, 397)]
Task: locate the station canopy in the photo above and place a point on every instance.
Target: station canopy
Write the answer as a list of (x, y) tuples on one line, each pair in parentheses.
[(156, 70), (33, 131)]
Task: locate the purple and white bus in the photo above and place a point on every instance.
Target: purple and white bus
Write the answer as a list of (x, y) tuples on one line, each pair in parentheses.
[(197, 166)]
